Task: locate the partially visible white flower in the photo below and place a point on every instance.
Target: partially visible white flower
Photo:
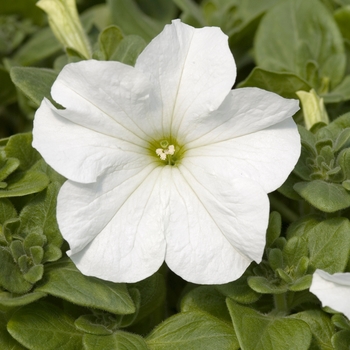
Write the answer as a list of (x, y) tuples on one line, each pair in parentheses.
[(332, 290), (164, 161)]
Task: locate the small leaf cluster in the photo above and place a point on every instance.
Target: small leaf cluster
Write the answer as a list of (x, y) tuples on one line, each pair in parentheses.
[(80, 312), (23, 257), (20, 172), (31, 238), (322, 174), (291, 260)]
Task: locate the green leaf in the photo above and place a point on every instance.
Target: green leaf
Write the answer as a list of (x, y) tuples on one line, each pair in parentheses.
[(35, 83), (8, 167), (294, 250), (20, 146), (301, 226), (43, 326), (10, 228), (325, 196), (342, 140), (89, 324), (25, 8), (17, 250), (40, 213), (287, 41), (11, 300), (301, 283), (119, 340), (34, 274), (275, 258), (109, 40), (128, 16), (152, 291), (63, 280), (191, 8), (343, 160), (34, 239), (341, 340), (192, 330), (129, 49), (329, 245), (320, 325), (163, 10), (264, 286), (239, 291), (7, 89), (7, 210), (302, 267), (208, 299), (51, 253), (340, 93), (274, 228), (24, 183), (342, 17), (40, 165), (6, 341), (11, 277), (40, 45), (302, 169), (122, 321), (256, 331), (340, 321), (339, 124), (284, 84)]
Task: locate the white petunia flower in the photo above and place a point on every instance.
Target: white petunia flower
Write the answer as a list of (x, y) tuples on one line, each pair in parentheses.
[(164, 161), (332, 290)]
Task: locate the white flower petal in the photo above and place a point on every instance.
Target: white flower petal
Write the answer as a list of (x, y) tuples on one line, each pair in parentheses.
[(110, 97), (115, 227), (193, 69), (215, 229), (244, 111), (332, 290), (267, 156), (103, 124), (77, 152)]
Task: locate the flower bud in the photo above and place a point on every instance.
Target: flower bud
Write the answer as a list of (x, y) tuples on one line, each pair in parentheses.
[(313, 108), (65, 24)]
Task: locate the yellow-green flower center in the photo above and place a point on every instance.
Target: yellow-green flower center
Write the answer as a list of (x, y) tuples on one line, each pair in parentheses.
[(167, 151)]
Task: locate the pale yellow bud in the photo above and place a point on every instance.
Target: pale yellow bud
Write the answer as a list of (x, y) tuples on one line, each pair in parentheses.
[(65, 24), (313, 108)]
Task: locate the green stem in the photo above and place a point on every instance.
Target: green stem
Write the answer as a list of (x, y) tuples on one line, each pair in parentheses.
[(286, 213), (281, 302)]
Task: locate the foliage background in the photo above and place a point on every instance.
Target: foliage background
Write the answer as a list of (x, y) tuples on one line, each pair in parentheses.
[(282, 46)]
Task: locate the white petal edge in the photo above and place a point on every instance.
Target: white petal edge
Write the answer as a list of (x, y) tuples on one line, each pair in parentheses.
[(77, 152), (115, 228), (266, 156), (214, 230), (111, 97), (332, 290), (191, 78), (244, 111)]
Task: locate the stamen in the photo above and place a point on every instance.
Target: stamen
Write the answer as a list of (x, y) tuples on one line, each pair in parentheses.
[(171, 150), (163, 153)]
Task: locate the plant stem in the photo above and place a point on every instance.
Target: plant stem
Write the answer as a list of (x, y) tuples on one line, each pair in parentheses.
[(281, 302), (286, 213)]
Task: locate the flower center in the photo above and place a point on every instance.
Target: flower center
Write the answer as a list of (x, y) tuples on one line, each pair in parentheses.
[(166, 152)]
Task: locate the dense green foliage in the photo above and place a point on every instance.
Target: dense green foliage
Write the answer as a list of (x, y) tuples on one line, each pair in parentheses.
[(282, 46)]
